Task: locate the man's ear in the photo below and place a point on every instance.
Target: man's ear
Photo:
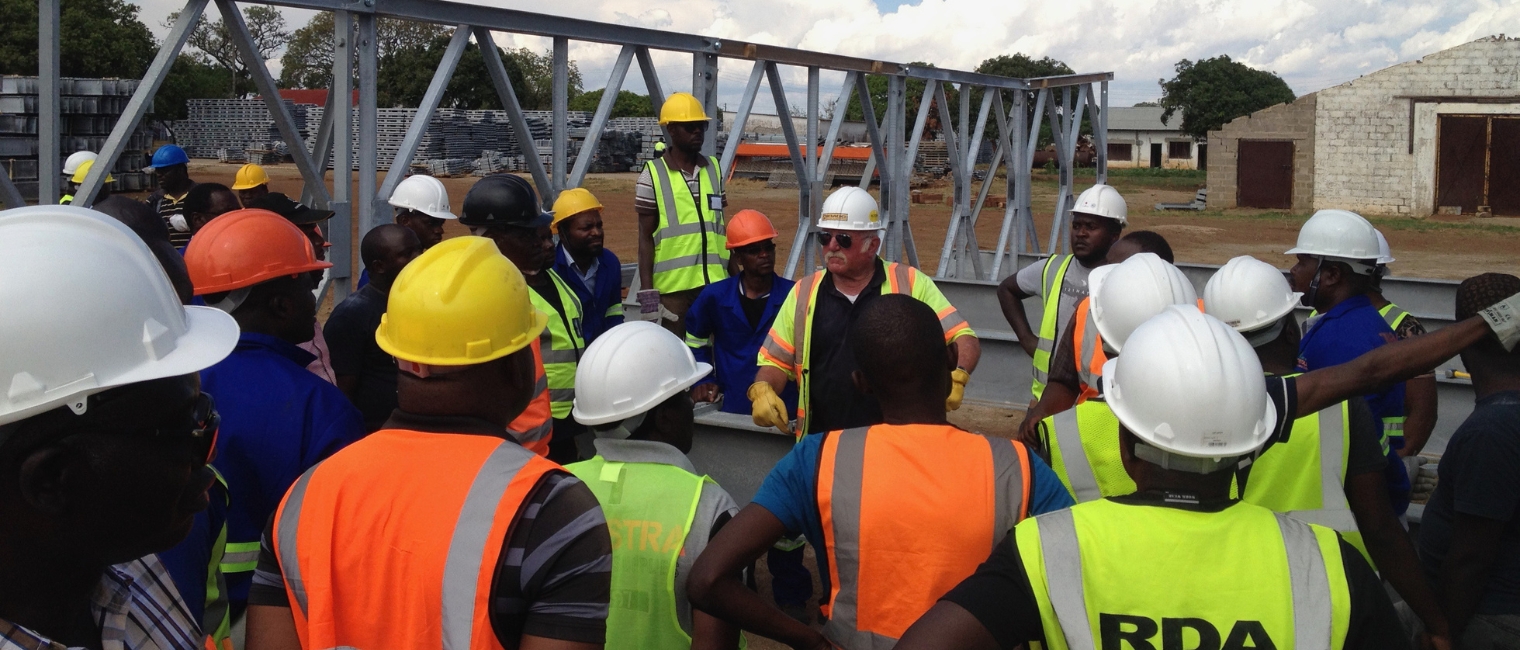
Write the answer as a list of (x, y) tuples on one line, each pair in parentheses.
[(1332, 275), (44, 479), (859, 379)]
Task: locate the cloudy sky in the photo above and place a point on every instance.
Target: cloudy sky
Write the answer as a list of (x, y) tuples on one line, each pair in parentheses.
[(1312, 44)]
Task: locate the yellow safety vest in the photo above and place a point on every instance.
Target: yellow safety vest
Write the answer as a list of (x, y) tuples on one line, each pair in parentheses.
[(1084, 451), (1112, 576), (787, 346), (561, 344), (690, 250), (1050, 284), (1304, 477)]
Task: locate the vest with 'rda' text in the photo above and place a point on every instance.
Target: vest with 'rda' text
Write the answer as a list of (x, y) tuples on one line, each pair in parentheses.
[(690, 247), (908, 511), (1111, 576), (393, 542)]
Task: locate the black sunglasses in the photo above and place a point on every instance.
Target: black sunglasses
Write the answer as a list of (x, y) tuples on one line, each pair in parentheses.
[(844, 239), (200, 424), (755, 249)]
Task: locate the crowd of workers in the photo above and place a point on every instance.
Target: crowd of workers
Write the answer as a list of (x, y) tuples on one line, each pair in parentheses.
[(476, 451)]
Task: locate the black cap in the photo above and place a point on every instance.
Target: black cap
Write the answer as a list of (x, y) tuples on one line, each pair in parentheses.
[(296, 213), (503, 200)]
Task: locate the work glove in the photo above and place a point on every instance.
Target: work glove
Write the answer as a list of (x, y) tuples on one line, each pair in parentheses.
[(649, 301), (958, 379), (1422, 478), (1504, 319), (767, 409)]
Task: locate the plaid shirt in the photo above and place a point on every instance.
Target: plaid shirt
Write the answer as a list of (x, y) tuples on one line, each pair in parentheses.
[(136, 606)]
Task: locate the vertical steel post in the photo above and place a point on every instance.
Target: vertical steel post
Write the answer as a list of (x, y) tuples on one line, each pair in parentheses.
[(704, 85), (560, 138), (373, 210), (1100, 131), (810, 198), (342, 203), (49, 151)]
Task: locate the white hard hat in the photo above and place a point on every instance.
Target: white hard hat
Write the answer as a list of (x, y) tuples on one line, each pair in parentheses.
[(630, 369), (88, 309), (1249, 294), (72, 163), (1189, 385), (424, 194), (1103, 201), (1339, 234), (850, 208), (1385, 254), (1126, 294)]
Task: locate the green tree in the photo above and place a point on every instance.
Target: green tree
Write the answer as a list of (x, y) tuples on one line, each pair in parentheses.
[(628, 104), (1147, 104), (189, 78), (213, 44), (307, 62), (405, 73), (1213, 91), (1021, 66), (877, 85), (98, 38)]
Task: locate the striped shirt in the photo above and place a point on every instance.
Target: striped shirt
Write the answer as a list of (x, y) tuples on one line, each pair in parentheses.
[(554, 576), (643, 190), (136, 607), (168, 207)]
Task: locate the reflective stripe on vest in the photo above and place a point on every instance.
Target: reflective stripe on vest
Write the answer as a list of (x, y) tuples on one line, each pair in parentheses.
[(426, 514), (1051, 285), (216, 615), (946, 511), (1084, 451), (1393, 427), (560, 343), (689, 241), (1084, 607), (1278, 480), (534, 427), (1394, 315), (1089, 353), (649, 509)]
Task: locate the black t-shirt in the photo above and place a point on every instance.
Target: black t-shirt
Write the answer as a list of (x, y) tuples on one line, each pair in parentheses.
[(350, 334), (753, 308), (833, 402), (999, 595)]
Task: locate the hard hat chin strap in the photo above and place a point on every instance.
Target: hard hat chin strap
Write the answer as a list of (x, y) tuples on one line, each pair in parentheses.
[(1268, 334), (234, 299), (620, 430), (1179, 463)]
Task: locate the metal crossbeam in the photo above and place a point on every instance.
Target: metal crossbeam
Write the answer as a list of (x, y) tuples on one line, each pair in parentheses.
[(746, 104), (509, 102), (599, 119), (9, 195), (430, 100)]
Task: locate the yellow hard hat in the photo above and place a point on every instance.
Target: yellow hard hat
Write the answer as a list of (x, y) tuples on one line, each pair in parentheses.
[(84, 170), (461, 303), (572, 202), (249, 176), (682, 107)]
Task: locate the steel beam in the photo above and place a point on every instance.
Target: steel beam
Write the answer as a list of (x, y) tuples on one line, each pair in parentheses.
[(599, 119), (10, 197), (323, 147), (778, 94), (141, 100), (509, 102), (49, 165), (372, 210), (342, 204), (402, 163), (249, 53), (704, 86), (559, 136), (736, 130)]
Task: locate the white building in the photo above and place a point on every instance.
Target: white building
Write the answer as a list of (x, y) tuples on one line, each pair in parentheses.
[(1138, 138)]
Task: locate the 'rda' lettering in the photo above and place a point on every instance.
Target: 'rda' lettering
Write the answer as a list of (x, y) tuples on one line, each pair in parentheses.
[(1126, 632)]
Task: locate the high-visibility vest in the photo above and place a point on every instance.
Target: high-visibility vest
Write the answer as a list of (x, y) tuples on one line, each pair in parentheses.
[(560, 344), (66, 200), (903, 530), (690, 248), (216, 614), (1089, 353), (534, 427), (649, 509), (1108, 575), (393, 542), (1304, 476), (1050, 283), (787, 347), (1084, 451), (1393, 427)]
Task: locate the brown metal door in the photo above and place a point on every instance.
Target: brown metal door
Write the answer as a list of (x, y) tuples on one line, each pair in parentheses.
[(1462, 148), (1504, 166), (1264, 174)]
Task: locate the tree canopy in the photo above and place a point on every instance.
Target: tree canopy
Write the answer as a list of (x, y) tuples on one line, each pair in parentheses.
[(99, 38), (308, 63), (211, 43), (628, 103), (404, 75), (1213, 91)]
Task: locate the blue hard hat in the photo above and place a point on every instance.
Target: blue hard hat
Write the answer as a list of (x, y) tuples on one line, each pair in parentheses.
[(169, 154)]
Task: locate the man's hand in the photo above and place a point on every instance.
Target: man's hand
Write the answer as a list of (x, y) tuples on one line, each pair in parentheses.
[(704, 393), (958, 379), (767, 409)]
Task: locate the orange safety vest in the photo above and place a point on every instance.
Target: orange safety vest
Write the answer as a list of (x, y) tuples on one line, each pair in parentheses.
[(1088, 352), (534, 427), (903, 530), (393, 542)]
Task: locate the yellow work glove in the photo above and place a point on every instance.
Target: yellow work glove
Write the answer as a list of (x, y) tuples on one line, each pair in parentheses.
[(958, 379), (767, 409)]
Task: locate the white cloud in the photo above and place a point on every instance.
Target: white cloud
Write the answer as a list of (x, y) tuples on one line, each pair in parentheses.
[(1312, 44)]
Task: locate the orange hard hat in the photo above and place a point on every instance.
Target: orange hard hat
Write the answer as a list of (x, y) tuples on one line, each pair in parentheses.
[(748, 227), (245, 247)]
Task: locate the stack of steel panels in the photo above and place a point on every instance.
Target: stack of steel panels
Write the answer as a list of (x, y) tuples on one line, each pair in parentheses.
[(88, 111), (215, 124)]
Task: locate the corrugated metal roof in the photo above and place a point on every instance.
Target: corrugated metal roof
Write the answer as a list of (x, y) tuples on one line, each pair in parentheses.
[(1142, 118)]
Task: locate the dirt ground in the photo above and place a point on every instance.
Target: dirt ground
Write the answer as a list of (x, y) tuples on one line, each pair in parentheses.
[(1439, 247)]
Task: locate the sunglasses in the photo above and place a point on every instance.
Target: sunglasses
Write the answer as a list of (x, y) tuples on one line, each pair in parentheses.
[(199, 425), (844, 239), (756, 249)]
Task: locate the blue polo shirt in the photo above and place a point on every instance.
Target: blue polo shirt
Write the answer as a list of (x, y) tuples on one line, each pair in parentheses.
[(718, 316), (278, 420), (597, 301), (790, 492), (1349, 330)]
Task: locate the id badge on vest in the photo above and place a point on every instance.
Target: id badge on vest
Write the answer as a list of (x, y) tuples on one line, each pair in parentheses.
[(715, 202)]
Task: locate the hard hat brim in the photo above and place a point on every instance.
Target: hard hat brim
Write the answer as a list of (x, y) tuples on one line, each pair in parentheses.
[(703, 369), (540, 321), (244, 186), (438, 214)]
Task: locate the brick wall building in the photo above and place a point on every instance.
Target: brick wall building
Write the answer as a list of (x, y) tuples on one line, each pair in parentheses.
[(1375, 144)]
